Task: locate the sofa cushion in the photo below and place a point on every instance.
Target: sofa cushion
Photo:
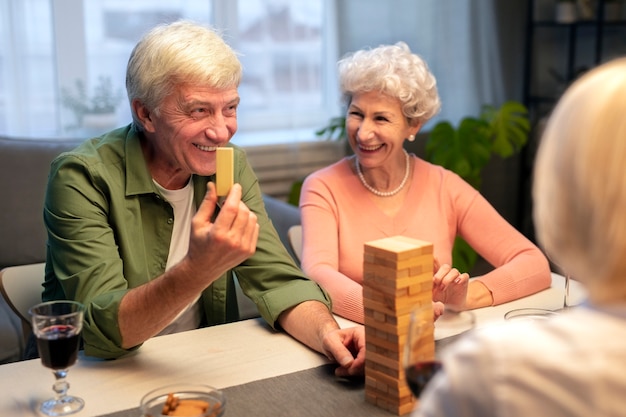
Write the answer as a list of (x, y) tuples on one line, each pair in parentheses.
[(283, 216), (11, 342), (24, 167)]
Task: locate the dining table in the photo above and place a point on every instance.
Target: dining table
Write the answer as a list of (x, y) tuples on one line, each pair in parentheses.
[(262, 372)]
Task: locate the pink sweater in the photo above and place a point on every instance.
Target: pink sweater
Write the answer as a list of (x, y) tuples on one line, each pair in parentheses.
[(338, 217)]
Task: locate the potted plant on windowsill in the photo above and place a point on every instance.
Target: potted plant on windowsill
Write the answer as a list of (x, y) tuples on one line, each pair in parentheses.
[(96, 111)]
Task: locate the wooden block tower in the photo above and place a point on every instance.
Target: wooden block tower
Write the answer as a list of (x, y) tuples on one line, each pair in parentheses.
[(397, 277)]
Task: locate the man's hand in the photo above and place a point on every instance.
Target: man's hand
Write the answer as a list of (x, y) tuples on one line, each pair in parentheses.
[(214, 247), (347, 348), (311, 323), (227, 242)]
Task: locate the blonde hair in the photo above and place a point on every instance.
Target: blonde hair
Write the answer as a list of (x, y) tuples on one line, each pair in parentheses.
[(182, 52), (580, 182), (395, 71)]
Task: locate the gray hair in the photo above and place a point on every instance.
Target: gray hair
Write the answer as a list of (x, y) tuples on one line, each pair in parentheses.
[(579, 185), (182, 52), (395, 71)]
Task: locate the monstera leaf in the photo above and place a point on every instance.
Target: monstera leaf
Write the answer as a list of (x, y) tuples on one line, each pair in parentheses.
[(467, 149), (510, 127)]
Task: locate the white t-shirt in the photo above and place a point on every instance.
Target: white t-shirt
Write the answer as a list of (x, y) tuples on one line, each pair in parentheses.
[(184, 209), (571, 365)]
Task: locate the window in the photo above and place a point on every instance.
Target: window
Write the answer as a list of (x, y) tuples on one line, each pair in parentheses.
[(54, 52)]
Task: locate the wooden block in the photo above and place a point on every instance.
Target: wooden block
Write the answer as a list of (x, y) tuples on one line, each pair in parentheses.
[(397, 277), (389, 272), (407, 407), (380, 340), (384, 327), (378, 367), (386, 302), (391, 362), (421, 288), (377, 376), (377, 276), (398, 248), (420, 261), (224, 175)]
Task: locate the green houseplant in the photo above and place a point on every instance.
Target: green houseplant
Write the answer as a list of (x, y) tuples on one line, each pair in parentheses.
[(465, 150), (469, 147)]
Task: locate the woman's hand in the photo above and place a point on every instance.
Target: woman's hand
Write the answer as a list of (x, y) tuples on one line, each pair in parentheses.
[(450, 287), (438, 309)]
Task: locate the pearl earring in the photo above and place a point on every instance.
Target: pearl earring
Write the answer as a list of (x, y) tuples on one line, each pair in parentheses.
[(411, 138)]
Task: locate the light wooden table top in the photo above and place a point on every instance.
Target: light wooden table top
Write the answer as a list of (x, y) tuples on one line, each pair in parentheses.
[(221, 356)]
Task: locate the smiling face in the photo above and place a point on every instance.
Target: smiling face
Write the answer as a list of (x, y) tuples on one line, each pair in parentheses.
[(183, 135), (377, 128)]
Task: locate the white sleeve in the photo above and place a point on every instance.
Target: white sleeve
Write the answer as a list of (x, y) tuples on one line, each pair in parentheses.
[(464, 386)]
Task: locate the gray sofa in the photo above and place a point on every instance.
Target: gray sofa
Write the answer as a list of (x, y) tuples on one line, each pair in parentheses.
[(24, 165)]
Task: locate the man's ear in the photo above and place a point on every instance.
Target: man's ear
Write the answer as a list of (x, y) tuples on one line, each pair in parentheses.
[(144, 116)]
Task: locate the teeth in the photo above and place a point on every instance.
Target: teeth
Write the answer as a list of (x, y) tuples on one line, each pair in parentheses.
[(205, 148), (370, 148)]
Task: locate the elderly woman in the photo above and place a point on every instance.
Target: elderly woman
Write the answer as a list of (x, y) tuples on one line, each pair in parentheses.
[(383, 191), (574, 364)]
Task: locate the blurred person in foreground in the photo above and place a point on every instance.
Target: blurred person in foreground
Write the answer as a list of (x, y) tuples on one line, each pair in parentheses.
[(382, 191), (135, 230), (573, 364)]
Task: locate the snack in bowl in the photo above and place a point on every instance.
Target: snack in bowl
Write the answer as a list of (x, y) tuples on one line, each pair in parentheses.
[(183, 400)]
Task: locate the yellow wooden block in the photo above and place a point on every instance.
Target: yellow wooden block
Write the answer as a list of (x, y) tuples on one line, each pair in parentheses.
[(373, 365), (398, 248), (397, 277), (377, 276), (385, 302), (384, 271), (224, 175), (379, 339), (384, 327), (424, 261)]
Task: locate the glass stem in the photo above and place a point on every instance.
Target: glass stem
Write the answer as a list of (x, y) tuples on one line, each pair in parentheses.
[(566, 295), (61, 385)]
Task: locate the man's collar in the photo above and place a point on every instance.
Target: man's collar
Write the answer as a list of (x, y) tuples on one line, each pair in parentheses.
[(138, 177)]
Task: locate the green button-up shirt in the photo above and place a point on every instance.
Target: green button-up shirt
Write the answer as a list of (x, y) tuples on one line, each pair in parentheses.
[(109, 230)]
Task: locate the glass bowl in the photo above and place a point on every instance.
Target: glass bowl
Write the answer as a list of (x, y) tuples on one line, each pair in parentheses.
[(454, 323), (189, 400), (534, 314)]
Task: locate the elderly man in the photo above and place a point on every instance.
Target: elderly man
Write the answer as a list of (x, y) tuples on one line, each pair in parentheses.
[(135, 230)]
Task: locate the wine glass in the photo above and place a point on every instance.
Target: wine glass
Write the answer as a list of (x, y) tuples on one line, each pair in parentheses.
[(566, 296), (420, 362), (57, 326)]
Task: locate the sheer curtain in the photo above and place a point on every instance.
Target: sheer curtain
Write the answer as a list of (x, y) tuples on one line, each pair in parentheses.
[(54, 53), (45, 48), (457, 38), (26, 71), (465, 56)]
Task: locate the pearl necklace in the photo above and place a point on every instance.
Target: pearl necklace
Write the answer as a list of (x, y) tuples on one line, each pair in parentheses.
[(373, 190)]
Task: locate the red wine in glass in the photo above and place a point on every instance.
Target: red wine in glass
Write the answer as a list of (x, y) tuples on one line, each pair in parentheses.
[(420, 373), (58, 346), (57, 326)]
